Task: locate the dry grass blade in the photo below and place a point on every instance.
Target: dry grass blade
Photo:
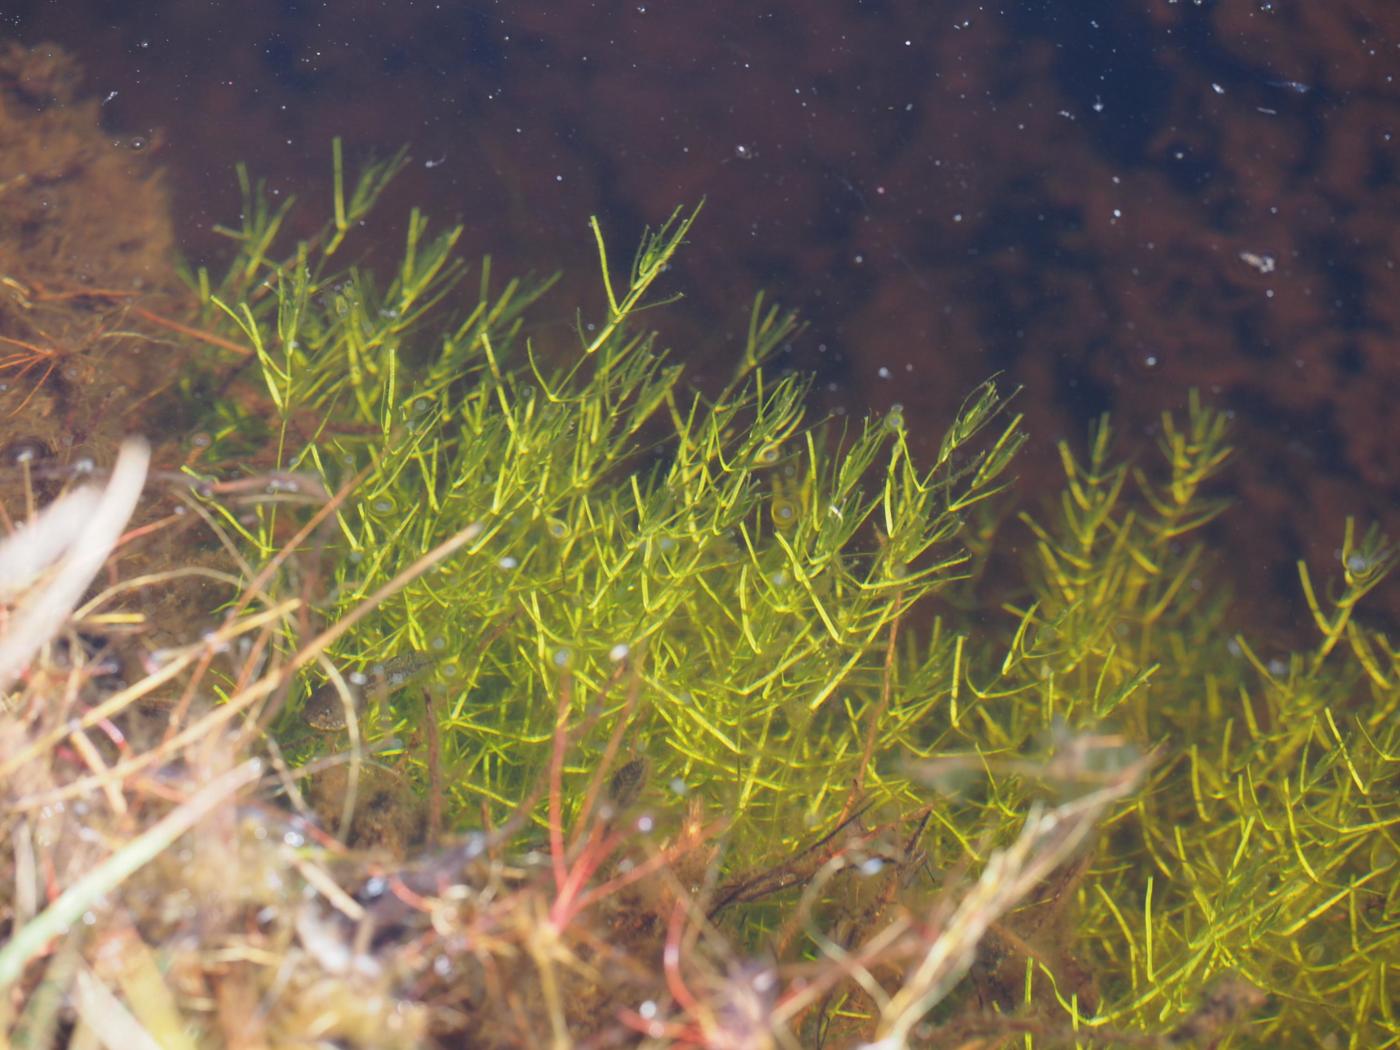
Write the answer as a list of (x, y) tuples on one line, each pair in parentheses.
[(1046, 841), (89, 530), (107, 1019)]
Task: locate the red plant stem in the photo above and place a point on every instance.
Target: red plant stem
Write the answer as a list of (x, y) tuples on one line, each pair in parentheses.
[(671, 962), (194, 333), (567, 903)]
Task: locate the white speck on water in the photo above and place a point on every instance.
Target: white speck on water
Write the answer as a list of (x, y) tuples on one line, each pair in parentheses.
[(1261, 261)]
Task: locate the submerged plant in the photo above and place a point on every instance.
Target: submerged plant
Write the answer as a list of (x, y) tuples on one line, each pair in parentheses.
[(667, 596), (714, 548)]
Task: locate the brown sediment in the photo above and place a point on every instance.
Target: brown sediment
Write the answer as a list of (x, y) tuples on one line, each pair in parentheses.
[(87, 261)]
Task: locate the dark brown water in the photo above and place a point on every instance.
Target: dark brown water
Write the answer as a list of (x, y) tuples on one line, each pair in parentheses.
[(1108, 203)]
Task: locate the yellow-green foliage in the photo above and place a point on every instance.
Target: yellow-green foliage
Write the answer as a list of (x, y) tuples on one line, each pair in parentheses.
[(1266, 843), (732, 582)]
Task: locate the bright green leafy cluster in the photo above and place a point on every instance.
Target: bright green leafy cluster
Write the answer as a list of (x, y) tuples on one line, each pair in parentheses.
[(732, 593), (1265, 846), (706, 550)]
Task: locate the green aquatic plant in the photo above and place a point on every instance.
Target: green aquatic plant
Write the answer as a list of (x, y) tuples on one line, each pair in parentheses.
[(752, 607), (1262, 855)]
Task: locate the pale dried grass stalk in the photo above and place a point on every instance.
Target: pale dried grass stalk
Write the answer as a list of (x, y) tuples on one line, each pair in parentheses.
[(76, 534), (1048, 839)]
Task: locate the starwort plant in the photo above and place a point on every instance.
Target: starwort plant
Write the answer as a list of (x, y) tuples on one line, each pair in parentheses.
[(710, 544), (749, 604)]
